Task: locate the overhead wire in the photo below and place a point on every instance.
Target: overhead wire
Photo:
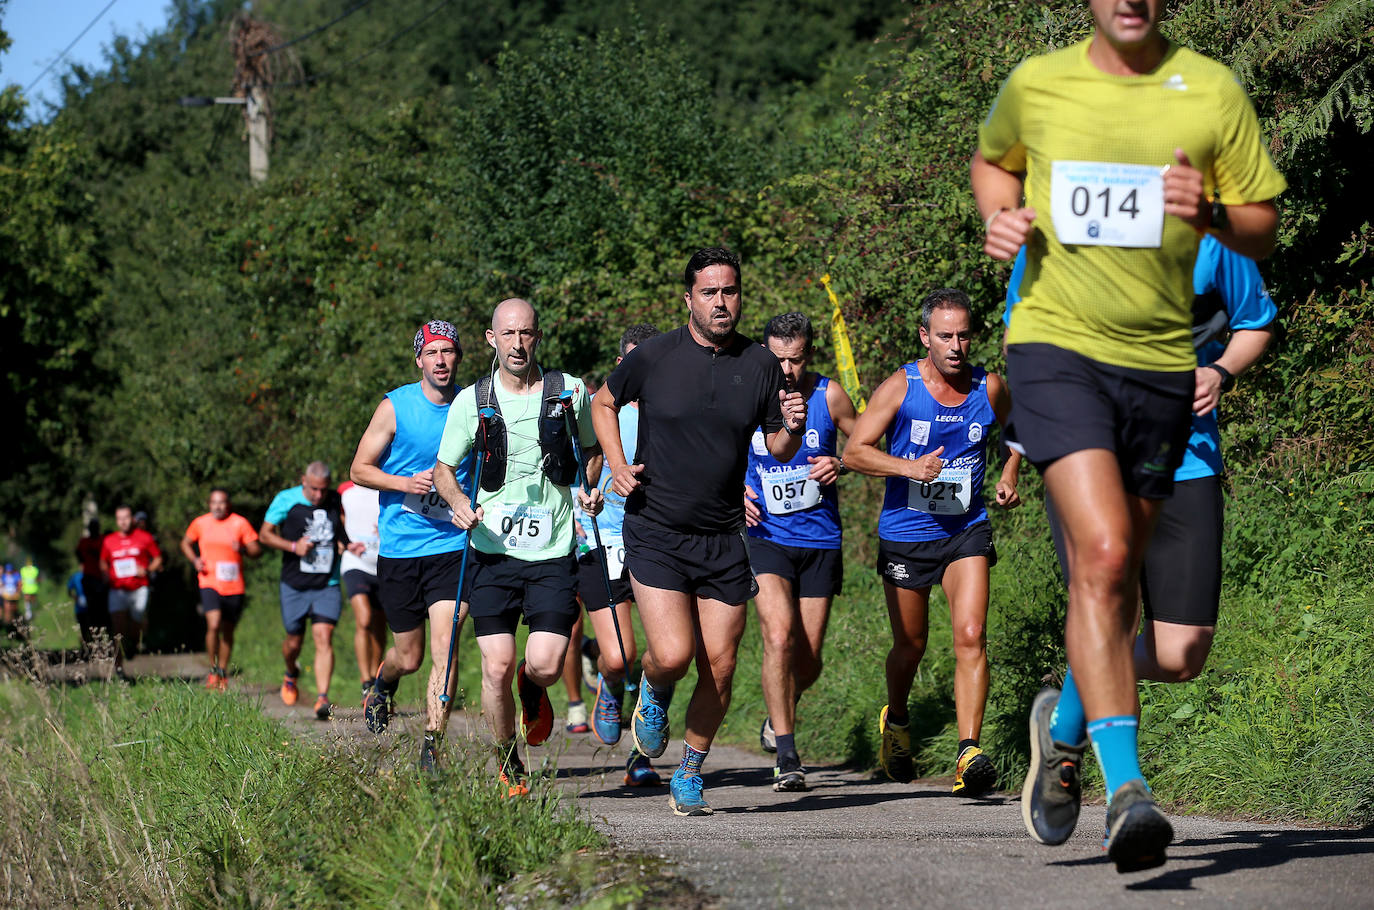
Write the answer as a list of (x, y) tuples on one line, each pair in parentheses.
[(314, 31), (60, 57), (365, 54)]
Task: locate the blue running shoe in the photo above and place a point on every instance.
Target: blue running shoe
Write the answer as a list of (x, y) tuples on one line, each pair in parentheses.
[(650, 727), (684, 795), (639, 773), (606, 713)]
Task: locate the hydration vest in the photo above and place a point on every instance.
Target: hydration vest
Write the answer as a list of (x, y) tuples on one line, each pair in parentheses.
[(559, 460)]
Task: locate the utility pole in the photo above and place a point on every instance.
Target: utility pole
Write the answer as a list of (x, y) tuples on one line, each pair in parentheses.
[(259, 136), (256, 45)]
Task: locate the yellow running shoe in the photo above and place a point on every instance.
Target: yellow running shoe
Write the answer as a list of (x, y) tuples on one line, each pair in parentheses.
[(895, 753), (974, 774)]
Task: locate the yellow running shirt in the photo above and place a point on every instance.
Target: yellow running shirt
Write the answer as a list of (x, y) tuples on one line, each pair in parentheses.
[(1108, 275)]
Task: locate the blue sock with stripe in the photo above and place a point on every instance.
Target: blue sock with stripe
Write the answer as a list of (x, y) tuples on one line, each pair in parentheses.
[(1068, 723), (1115, 745)]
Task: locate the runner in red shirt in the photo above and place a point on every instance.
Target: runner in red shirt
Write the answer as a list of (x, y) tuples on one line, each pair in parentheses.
[(126, 558), (222, 538)]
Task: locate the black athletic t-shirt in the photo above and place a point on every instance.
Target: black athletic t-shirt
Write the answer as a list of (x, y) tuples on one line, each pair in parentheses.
[(320, 567), (698, 409)]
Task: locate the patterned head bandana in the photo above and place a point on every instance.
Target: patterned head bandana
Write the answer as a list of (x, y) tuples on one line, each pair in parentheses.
[(433, 331)]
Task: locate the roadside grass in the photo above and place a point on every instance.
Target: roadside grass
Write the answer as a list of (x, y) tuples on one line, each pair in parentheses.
[(163, 795)]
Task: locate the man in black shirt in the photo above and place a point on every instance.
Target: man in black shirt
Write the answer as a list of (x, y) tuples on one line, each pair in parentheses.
[(702, 391)]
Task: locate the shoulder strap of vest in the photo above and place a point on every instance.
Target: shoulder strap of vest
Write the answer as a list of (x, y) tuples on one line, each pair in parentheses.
[(494, 459), (559, 460)]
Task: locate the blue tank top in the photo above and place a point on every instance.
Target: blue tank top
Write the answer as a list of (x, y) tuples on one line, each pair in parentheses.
[(914, 512), (411, 525), (795, 511), (612, 518)]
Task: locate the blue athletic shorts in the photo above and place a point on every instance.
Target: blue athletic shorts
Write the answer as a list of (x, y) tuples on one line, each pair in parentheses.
[(319, 605)]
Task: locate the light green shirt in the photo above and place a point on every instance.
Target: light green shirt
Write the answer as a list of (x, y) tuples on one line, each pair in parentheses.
[(529, 518)]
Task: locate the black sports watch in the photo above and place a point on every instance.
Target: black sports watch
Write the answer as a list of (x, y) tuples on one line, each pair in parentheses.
[(1220, 221), (1227, 380)]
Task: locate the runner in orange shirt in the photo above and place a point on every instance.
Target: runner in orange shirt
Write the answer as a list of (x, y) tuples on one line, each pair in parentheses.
[(222, 538)]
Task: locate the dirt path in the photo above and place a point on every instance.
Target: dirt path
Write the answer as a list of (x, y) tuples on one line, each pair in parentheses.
[(854, 841)]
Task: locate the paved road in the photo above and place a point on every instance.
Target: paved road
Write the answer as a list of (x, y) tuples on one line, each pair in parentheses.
[(854, 841)]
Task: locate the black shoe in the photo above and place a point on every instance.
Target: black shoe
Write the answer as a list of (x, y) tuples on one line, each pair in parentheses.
[(789, 776), (377, 707), (1137, 831), (429, 753), (1051, 795)]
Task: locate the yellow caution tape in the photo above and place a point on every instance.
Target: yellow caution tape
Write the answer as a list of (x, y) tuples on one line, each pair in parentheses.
[(844, 354)]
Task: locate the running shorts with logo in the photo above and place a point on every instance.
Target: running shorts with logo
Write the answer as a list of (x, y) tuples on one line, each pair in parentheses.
[(221, 544), (521, 554), (698, 408), (1107, 276), (924, 526), (610, 524), (1181, 575), (798, 534), (421, 549)]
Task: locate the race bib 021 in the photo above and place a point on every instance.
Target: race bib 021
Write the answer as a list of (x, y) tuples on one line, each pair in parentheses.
[(949, 494), (1095, 203)]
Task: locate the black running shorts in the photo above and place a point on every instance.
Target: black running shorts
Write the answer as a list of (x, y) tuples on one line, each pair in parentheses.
[(505, 588), (591, 583), (1063, 402), (1181, 579), (921, 565), (810, 572), (230, 606), (409, 587), (711, 566), (356, 582)]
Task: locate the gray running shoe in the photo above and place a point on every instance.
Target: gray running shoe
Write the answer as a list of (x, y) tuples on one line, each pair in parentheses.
[(768, 741), (793, 781), (1137, 831), (1051, 794)]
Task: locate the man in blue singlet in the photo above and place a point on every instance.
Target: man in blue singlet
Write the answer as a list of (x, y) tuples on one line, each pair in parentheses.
[(936, 414), (591, 588), (421, 551), (792, 509)]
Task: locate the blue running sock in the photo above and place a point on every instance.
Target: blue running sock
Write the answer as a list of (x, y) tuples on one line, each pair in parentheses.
[(787, 744), (691, 760), (1068, 723), (1114, 744)]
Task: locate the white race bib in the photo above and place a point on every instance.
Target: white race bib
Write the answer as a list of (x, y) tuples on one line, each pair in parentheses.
[(126, 567), (524, 527), (789, 490), (615, 558), (1095, 203), (431, 505), (227, 571), (949, 494), (319, 560)]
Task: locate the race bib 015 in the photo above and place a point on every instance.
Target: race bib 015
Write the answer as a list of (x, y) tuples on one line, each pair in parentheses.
[(524, 527)]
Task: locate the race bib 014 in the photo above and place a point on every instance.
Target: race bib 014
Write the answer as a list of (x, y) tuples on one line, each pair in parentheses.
[(1095, 203)]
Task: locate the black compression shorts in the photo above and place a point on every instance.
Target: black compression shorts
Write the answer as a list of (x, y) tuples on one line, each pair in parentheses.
[(810, 572), (922, 564)]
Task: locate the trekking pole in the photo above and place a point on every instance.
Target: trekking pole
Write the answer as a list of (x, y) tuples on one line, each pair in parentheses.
[(566, 400), (483, 415)]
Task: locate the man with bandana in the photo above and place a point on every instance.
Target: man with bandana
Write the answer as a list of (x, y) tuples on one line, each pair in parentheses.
[(420, 555)]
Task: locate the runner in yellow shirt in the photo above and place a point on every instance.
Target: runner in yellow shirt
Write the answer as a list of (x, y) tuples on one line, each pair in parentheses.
[(1115, 144)]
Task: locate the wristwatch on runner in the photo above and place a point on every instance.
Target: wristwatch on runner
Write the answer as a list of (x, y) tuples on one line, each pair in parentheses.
[(1219, 219), (1227, 380)]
